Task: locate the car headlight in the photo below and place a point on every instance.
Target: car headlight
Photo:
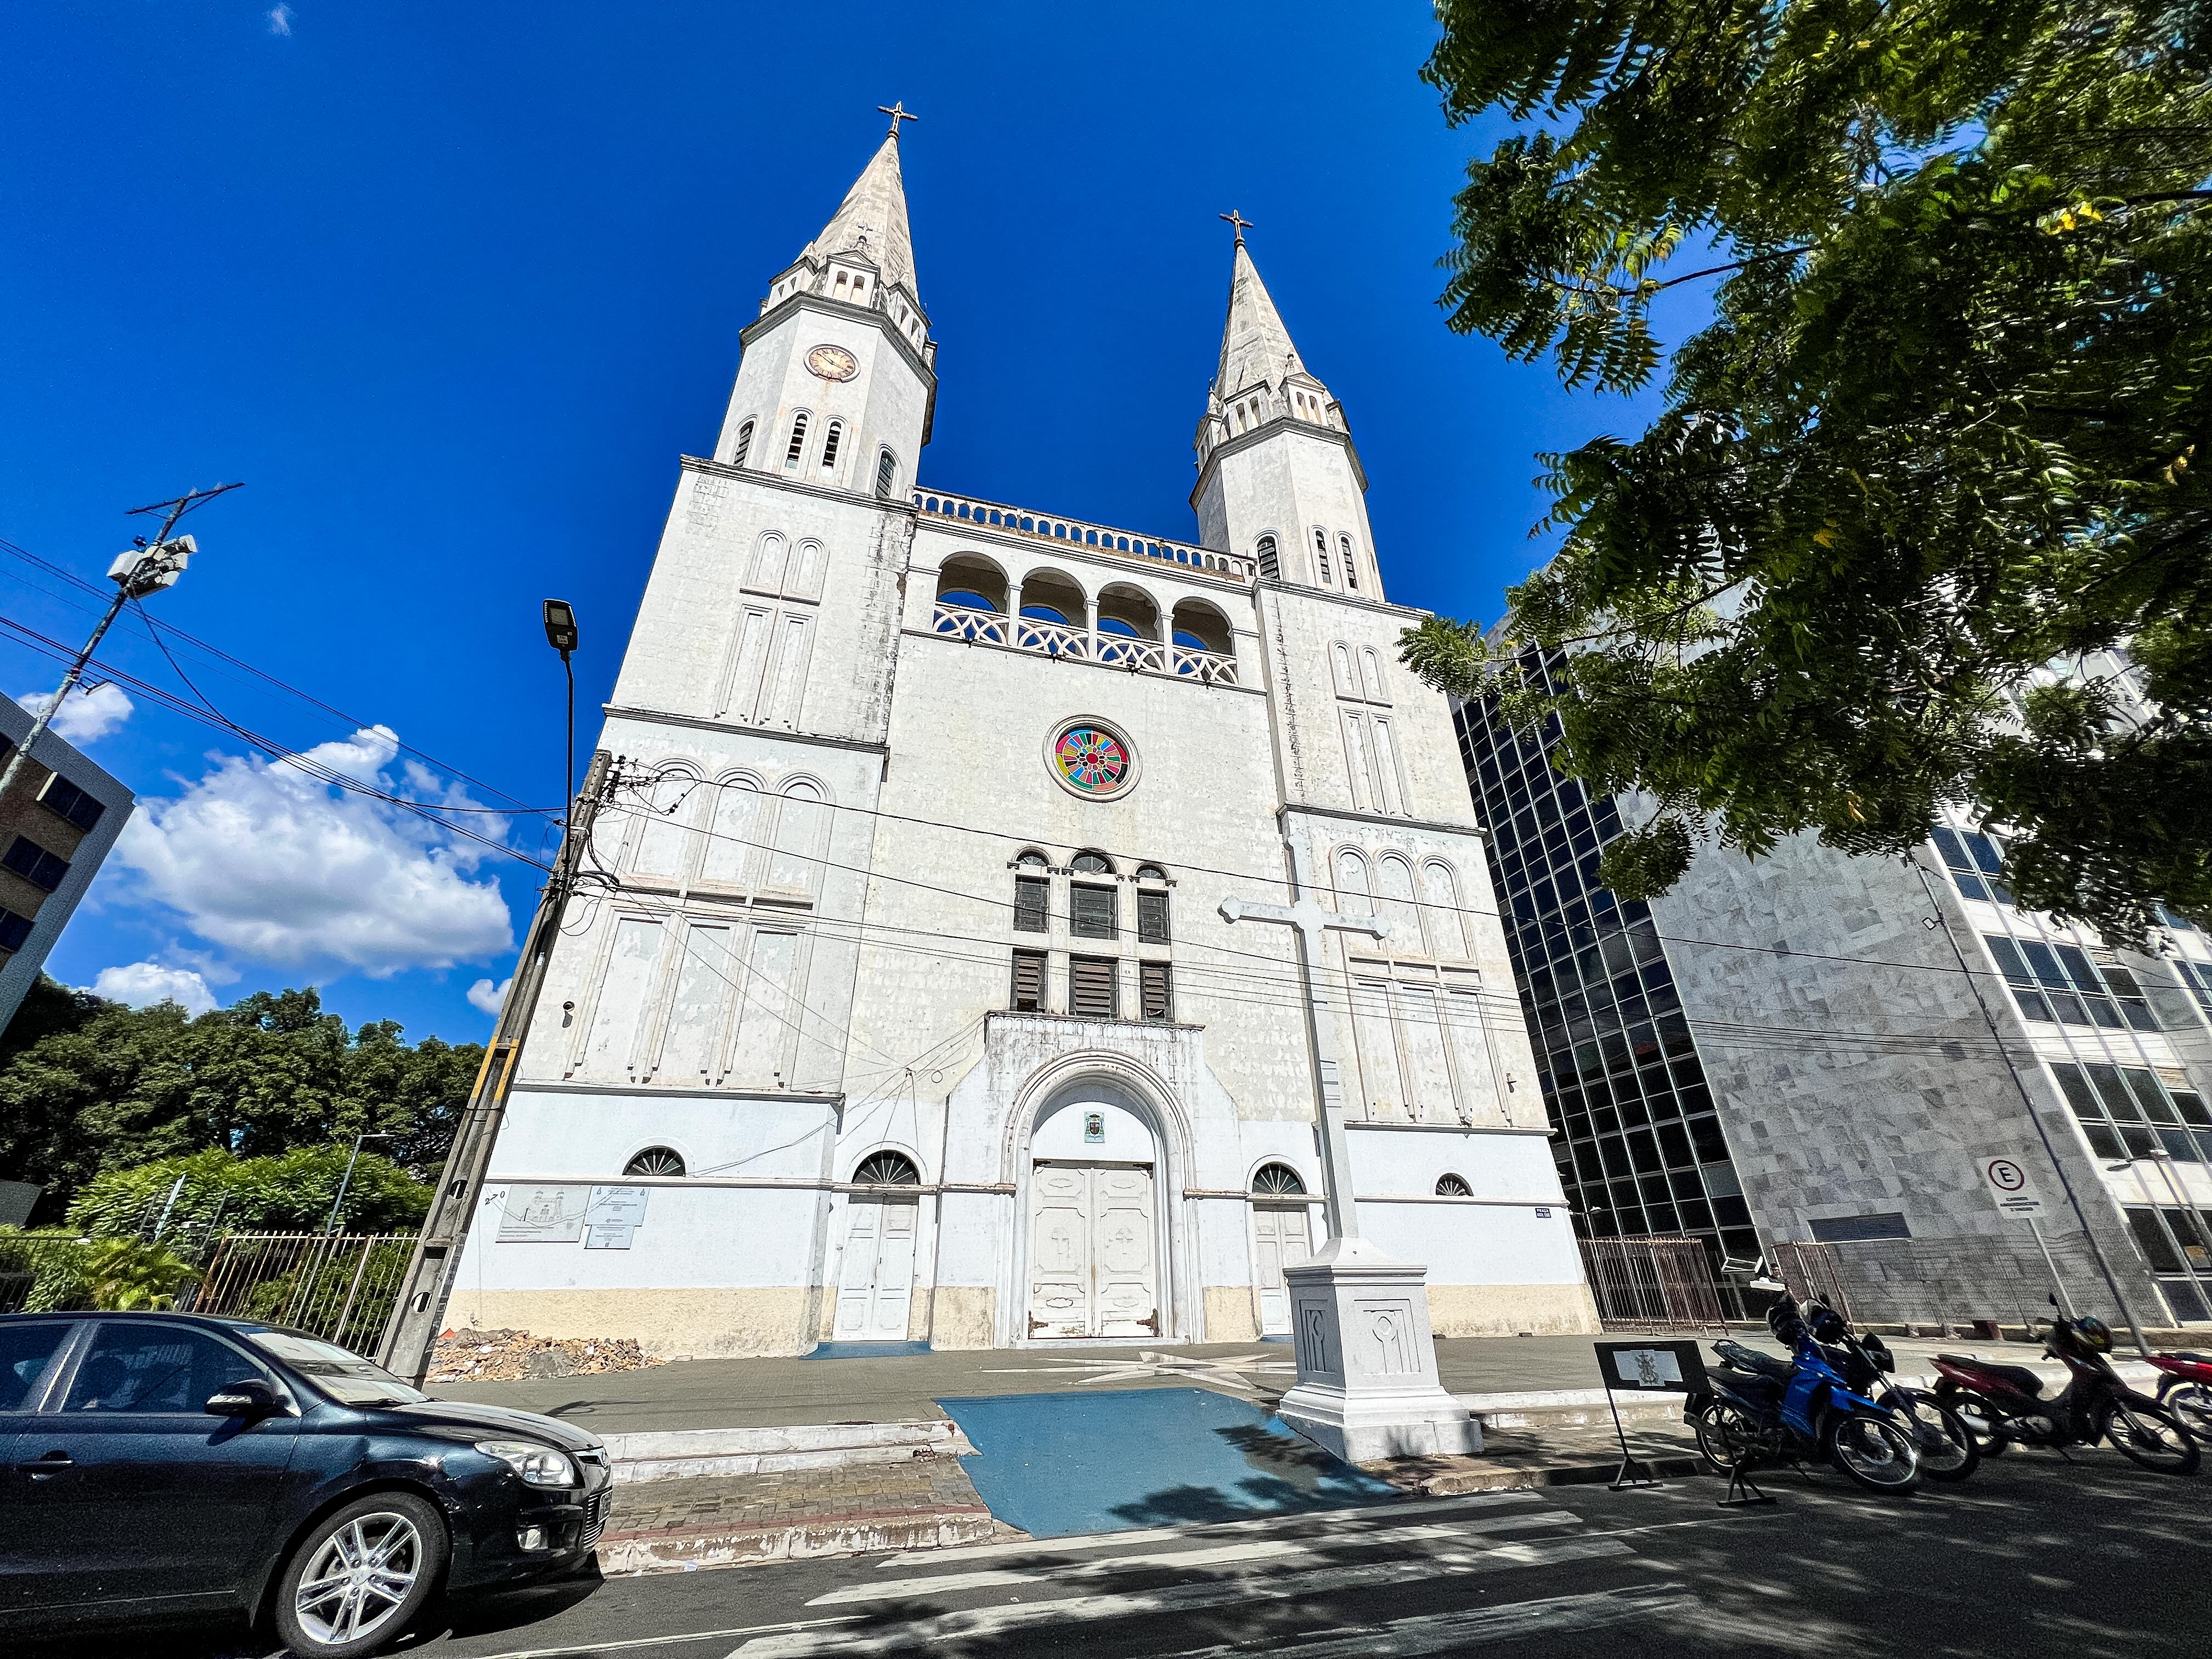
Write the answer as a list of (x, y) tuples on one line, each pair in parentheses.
[(540, 1466)]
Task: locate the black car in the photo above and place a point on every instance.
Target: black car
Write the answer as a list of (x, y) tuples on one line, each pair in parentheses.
[(169, 1464)]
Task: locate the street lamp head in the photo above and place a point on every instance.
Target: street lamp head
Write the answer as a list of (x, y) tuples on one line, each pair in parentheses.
[(560, 626)]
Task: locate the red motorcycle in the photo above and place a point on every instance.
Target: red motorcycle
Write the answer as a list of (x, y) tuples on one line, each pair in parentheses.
[(2005, 1405), (2187, 1389)]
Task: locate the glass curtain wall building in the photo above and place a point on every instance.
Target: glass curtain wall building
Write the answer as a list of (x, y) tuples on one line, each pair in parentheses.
[(1639, 1146)]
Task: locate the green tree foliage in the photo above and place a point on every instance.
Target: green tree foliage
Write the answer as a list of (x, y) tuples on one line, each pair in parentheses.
[(87, 1085), (1942, 431), (118, 1275), (291, 1192)]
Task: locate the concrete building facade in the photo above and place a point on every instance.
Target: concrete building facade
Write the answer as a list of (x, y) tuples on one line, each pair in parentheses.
[(58, 822), (900, 1006), (1788, 1049)]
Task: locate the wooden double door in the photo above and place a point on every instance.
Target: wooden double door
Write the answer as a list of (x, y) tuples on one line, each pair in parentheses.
[(875, 1288), (1094, 1255)]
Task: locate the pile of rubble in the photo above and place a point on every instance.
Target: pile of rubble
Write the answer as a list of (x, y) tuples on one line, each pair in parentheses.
[(471, 1356)]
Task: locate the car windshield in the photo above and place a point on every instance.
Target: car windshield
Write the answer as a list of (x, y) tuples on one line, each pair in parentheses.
[(346, 1377)]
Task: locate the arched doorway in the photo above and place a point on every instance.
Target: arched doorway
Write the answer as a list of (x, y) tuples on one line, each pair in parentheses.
[(1095, 1232), (1281, 1238), (875, 1285)]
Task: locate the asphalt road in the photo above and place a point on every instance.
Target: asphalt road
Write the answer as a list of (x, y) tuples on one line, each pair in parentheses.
[(2031, 1557)]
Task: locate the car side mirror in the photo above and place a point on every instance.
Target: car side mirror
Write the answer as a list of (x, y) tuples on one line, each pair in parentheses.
[(250, 1398)]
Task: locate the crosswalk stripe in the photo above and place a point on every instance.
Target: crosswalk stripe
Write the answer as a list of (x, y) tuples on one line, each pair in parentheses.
[(1451, 1632), (1263, 1549), (1341, 1520), (1180, 1598)]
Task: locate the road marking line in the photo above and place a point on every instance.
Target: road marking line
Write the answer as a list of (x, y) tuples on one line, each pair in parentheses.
[(681, 1636), (991, 1621), (1221, 1555), (1370, 1516), (1442, 1633)]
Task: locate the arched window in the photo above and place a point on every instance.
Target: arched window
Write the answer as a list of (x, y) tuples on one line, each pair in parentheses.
[(1150, 872), (1044, 613), (887, 1169), (1089, 863), (1269, 566), (1032, 894), (735, 828), (767, 561), (1277, 1181), (1321, 557), (798, 444), (1352, 897), (1447, 932), (1033, 859), (966, 599), (831, 437), (1451, 1186), (662, 844), (802, 835), (1350, 563), (886, 473), (744, 445), (655, 1161), (1394, 880)]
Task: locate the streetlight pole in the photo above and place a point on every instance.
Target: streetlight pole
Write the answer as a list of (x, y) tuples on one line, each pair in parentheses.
[(346, 1179), (139, 570), (561, 634)]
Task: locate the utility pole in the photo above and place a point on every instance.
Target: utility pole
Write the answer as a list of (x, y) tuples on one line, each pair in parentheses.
[(420, 1312), (137, 571)]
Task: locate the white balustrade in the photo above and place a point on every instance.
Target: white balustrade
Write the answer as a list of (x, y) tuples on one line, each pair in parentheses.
[(1133, 654), (1074, 532), (966, 622), (1055, 639), (1211, 666)]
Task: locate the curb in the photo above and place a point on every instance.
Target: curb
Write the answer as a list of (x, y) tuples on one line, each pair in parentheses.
[(666, 1550), (1453, 1483), (691, 1454)]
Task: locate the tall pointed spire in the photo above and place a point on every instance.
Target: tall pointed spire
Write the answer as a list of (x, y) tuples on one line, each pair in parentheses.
[(872, 220), (1255, 347)]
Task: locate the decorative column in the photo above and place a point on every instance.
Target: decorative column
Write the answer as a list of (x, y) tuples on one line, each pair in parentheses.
[(1367, 1385)]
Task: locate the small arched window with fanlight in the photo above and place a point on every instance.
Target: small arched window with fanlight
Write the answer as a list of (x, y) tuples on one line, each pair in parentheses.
[(886, 474), (655, 1161), (744, 445), (886, 1170), (798, 444), (1453, 1186), (833, 435), (1270, 563), (1277, 1181)]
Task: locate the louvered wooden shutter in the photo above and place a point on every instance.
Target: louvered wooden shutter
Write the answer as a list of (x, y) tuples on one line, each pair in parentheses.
[(1028, 980), (1091, 913), (1091, 986), (1032, 898), (1155, 991), (1152, 918)]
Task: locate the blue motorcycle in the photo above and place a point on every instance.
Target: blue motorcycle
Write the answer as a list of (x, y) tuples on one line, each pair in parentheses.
[(1762, 1411)]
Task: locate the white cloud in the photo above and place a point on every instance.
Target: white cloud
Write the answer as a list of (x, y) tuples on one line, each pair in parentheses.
[(143, 984), (269, 863), (91, 712), (280, 19), (486, 997)]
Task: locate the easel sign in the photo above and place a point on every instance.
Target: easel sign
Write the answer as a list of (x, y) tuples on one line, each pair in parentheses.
[(1648, 1367)]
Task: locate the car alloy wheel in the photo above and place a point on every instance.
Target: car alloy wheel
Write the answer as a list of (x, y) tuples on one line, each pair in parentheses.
[(360, 1576)]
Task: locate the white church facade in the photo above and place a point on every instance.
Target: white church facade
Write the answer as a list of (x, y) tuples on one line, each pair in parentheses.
[(898, 1005)]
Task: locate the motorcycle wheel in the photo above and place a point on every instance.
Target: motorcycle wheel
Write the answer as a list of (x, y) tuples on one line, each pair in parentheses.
[(1979, 1418), (1725, 1435), (2151, 1437), (1875, 1451), (2193, 1403), (1948, 1448)]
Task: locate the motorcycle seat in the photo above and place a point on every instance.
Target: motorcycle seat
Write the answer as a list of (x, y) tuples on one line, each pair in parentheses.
[(1758, 1363), (2193, 1358), (2018, 1377)]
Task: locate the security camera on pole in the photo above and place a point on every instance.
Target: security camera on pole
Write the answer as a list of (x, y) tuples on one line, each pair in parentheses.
[(143, 568)]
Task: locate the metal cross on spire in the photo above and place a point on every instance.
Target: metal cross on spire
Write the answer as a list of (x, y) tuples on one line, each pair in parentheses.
[(898, 112), (1239, 221)]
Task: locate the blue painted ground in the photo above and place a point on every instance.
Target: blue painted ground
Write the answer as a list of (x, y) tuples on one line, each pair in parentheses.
[(866, 1350), (1059, 1464)]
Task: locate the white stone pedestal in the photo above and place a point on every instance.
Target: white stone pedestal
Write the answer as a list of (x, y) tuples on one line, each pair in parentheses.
[(1367, 1384)]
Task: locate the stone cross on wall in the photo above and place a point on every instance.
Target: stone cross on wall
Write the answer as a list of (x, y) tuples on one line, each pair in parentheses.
[(1311, 923)]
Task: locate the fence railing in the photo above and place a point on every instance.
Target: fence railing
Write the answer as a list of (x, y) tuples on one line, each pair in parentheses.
[(1653, 1283), (339, 1286), (24, 1261), (1950, 1284)]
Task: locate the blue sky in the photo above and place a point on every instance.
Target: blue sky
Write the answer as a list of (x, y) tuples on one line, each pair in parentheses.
[(451, 288)]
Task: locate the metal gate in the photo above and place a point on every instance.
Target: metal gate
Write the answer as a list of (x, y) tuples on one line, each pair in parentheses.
[(1652, 1284), (339, 1286)]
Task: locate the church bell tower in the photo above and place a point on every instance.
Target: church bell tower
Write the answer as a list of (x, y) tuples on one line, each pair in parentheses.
[(1279, 480)]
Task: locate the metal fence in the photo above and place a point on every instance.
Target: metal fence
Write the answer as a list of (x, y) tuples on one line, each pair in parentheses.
[(1947, 1283), (339, 1286), (1653, 1283), (24, 1261)]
